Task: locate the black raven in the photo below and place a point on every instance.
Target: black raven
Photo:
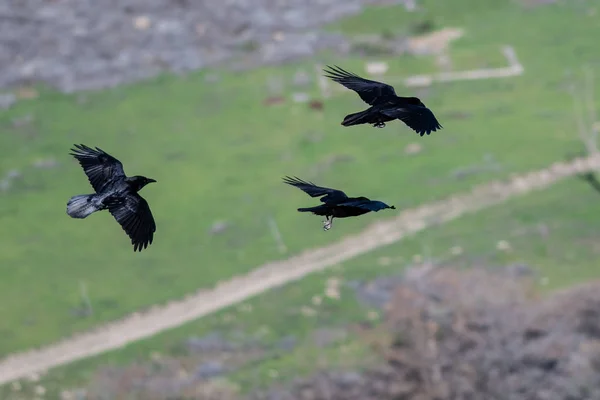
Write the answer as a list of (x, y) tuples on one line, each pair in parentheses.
[(336, 203), (385, 105), (116, 192)]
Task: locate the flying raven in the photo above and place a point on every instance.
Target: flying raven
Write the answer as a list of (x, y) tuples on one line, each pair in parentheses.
[(335, 202), (385, 105), (116, 192)]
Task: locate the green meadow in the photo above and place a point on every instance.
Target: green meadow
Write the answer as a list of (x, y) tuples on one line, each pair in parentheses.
[(218, 154), (552, 232)]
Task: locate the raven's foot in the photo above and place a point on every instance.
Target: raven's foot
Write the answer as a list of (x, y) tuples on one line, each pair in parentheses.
[(379, 125), (327, 224)]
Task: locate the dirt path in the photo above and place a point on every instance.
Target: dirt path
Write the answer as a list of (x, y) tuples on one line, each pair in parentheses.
[(160, 318)]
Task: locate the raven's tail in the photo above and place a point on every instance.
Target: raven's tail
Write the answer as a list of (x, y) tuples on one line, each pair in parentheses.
[(317, 210), (81, 206), (362, 117)]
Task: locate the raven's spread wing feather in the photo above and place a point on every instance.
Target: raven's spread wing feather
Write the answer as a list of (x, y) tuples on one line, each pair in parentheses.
[(367, 89), (99, 166), (316, 191), (418, 118), (133, 214)]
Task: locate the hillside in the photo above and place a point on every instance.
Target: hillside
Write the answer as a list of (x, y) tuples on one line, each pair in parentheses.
[(219, 139)]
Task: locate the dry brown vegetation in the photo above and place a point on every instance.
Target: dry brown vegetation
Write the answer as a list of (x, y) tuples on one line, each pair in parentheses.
[(448, 333), (477, 334)]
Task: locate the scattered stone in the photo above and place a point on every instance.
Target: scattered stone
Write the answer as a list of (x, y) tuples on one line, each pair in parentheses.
[(324, 337), (377, 293), (301, 97), (210, 370), (4, 185), (212, 78), (39, 390), (413, 148), (45, 163), (316, 300), (22, 121), (301, 78), (141, 22), (503, 245), (219, 227), (7, 100), (210, 343), (86, 45), (288, 343), (308, 311), (435, 42), (377, 68)]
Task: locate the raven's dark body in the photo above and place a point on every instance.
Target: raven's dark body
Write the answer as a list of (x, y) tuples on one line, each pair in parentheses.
[(336, 204), (385, 105), (116, 193)]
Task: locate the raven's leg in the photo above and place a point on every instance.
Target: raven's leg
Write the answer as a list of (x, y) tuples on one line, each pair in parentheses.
[(328, 223), (379, 124)]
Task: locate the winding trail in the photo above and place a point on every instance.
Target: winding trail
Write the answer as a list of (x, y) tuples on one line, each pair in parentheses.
[(138, 326)]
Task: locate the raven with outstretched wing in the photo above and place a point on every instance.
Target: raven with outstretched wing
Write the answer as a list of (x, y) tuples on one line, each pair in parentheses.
[(385, 104), (336, 204), (115, 192)]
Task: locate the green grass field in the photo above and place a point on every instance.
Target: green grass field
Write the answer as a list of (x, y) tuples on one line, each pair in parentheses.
[(218, 154), (554, 232)]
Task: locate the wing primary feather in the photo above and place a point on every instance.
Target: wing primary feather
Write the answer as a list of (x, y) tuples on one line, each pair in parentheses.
[(133, 214)]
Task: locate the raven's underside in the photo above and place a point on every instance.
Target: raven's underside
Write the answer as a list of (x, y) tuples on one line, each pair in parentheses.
[(368, 116), (331, 212)]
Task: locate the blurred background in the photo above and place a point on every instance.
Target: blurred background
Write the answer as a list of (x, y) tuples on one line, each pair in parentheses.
[(469, 290)]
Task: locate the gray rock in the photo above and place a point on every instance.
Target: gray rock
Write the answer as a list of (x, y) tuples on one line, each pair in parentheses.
[(287, 343), (218, 227), (211, 342), (210, 370), (78, 45), (7, 100)]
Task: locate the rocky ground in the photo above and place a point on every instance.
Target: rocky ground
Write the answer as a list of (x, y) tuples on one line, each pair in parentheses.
[(83, 44), (477, 335), (449, 334)]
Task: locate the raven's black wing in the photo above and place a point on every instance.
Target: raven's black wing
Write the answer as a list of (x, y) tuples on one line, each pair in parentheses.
[(100, 167), (133, 214), (365, 204), (315, 191), (418, 118), (367, 89)]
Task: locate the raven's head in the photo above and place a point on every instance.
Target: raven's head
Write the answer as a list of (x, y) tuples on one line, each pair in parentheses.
[(415, 101), (137, 182)]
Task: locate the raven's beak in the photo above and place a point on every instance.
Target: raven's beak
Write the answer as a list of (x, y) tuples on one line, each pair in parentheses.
[(393, 207), (150, 180)]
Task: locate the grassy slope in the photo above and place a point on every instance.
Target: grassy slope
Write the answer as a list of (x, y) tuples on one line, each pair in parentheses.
[(218, 153), (565, 255)]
